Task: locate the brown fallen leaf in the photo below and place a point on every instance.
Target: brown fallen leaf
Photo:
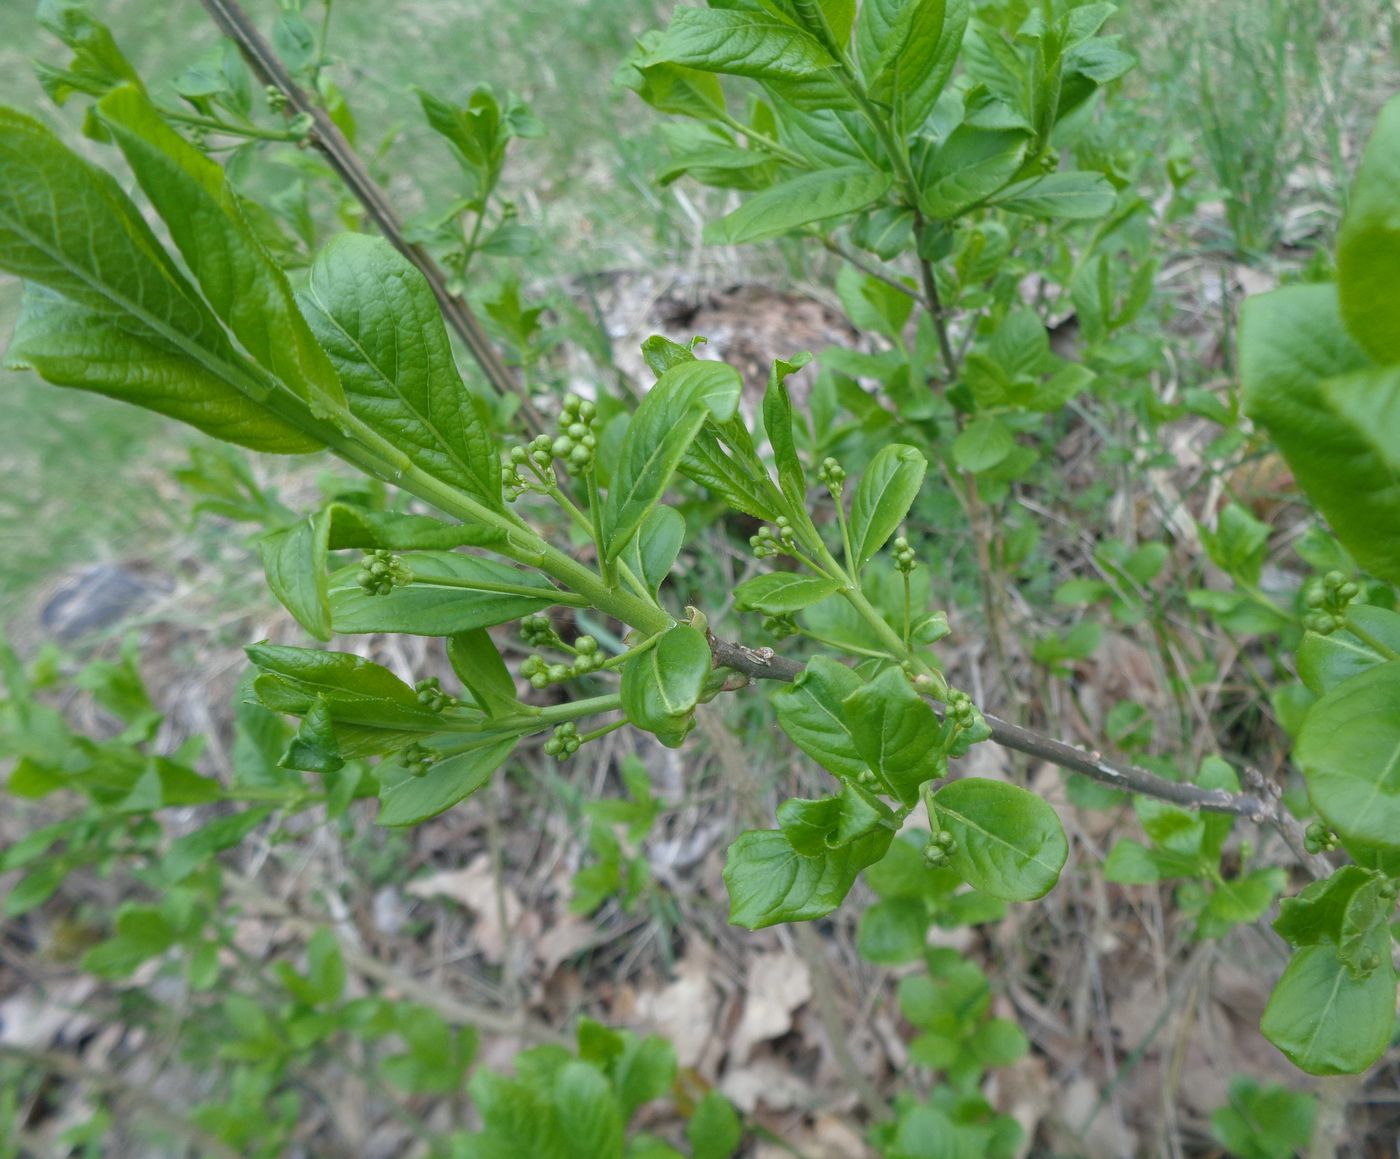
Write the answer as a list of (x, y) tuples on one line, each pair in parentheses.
[(776, 985), (474, 888)]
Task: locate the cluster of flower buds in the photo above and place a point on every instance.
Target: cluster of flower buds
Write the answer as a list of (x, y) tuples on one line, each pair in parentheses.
[(276, 98), (1317, 838), (564, 743), (966, 722), (432, 697), (538, 631), (941, 846), (1327, 603), (416, 759), (768, 543), (832, 475), (541, 673), (904, 560), (382, 571), (573, 444)]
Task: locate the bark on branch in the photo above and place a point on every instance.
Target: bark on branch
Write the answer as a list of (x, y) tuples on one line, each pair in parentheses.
[(1261, 804)]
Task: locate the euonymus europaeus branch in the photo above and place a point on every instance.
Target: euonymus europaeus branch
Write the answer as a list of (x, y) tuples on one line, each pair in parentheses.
[(860, 123)]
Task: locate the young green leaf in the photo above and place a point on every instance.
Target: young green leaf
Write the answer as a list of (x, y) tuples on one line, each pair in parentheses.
[(812, 827), (886, 491), (907, 50), (669, 88), (969, 167), (377, 316), (799, 201), (1368, 245), (1349, 751), (714, 1129), (450, 593), (589, 1114), (478, 664), (982, 445), (661, 686), (896, 734), (240, 280), (777, 421), (770, 882), (665, 423), (450, 780), (1326, 1021), (98, 65), (811, 711), (892, 932), (652, 552), (1010, 844)]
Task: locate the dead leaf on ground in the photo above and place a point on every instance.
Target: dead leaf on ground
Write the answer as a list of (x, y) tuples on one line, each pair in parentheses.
[(474, 888), (684, 1010), (777, 984)]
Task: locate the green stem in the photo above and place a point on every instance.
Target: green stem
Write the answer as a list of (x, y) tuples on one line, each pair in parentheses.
[(584, 738), (595, 521), (777, 148), (214, 126), (852, 564)]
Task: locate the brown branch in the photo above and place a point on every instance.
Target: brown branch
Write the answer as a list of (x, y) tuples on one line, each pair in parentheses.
[(1261, 805), (342, 158)]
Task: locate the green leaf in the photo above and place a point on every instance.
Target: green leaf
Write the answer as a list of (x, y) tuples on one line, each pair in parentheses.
[(1324, 662), (893, 931), (142, 933), (652, 552), (377, 317), (589, 1115), (1368, 244), (1290, 341), (1264, 1122), (664, 425), (969, 167), (315, 748), (1239, 901), (714, 1129), (1370, 401), (812, 827), (661, 686), (354, 689), (240, 280), (1344, 910), (777, 421), (797, 202), (982, 445), (782, 592), (1326, 1021), (132, 326), (770, 882), (883, 497), (294, 558), (469, 597), (811, 711), (1009, 842), (1349, 751), (98, 65), (188, 853), (1073, 196), (478, 664), (669, 88), (761, 45), (896, 733), (450, 780), (907, 50)]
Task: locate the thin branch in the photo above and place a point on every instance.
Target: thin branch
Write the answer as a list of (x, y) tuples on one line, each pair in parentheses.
[(1261, 806), (865, 267), (342, 158)]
